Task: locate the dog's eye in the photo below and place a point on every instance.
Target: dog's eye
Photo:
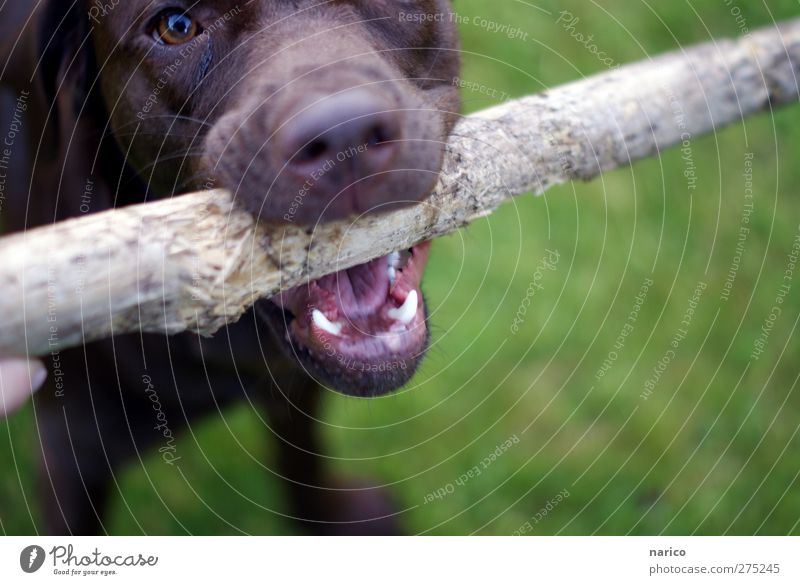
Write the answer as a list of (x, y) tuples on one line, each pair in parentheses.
[(175, 28)]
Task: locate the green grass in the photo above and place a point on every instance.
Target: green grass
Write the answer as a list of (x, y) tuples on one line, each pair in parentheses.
[(713, 448)]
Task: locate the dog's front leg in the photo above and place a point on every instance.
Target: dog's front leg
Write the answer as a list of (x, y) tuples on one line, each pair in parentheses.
[(320, 502), (84, 437)]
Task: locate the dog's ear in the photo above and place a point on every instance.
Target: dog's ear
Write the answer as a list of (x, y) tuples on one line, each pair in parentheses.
[(65, 58), (72, 154)]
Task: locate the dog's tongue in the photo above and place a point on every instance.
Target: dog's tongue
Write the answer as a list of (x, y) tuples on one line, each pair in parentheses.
[(365, 301), (359, 291), (348, 294)]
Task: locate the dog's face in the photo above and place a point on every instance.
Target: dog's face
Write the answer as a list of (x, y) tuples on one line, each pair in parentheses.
[(309, 110)]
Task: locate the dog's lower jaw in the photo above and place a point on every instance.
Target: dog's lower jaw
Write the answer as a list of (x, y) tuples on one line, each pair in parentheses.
[(362, 331), (358, 381)]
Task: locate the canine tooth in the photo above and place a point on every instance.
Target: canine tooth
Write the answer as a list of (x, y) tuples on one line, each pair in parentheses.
[(406, 313), (392, 274), (394, 259), (323, 323)]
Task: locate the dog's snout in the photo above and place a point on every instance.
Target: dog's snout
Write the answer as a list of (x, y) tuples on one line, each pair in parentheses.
[(360, 141), (357, 131)]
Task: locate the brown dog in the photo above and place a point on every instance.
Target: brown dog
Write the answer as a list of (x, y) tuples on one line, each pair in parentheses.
[(307, 111)]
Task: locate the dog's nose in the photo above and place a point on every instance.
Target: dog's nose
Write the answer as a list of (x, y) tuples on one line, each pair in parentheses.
[(341, 138)]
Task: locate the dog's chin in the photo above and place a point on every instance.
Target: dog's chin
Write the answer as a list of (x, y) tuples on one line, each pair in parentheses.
[(361, 331)]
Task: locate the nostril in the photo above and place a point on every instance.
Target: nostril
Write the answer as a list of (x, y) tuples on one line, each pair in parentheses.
[(311, 152), (377, 135), (356, 121)]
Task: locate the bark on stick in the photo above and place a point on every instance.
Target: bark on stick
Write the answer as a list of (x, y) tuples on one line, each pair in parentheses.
[(197, 262)]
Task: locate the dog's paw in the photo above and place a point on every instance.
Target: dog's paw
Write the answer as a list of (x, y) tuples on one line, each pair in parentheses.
[(351, 507)]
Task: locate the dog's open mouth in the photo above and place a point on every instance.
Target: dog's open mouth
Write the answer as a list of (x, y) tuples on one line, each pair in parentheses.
[(361, 330)]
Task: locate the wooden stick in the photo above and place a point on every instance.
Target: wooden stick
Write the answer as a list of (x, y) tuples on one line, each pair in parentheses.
[(197, 262)]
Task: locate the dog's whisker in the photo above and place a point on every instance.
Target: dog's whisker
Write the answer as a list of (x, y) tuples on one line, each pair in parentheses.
[(158, 134), (171, 157), (143, 174), (190, 181), (178, 117)]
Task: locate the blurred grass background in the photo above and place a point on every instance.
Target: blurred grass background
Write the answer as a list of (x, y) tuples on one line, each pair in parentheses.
[(712, 451)]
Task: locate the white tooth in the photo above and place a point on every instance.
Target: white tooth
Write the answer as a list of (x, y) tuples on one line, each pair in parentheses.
[(392, 274), (394, 341), (394, 259), (323, 323), (406, 313)]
